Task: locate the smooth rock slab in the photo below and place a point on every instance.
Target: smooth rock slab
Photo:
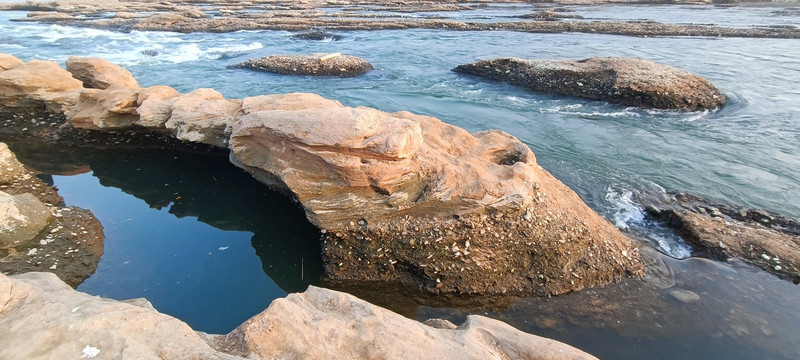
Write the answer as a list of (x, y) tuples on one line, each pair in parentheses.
[(324, 324), (316, 324), (626, 81), (313, 64)]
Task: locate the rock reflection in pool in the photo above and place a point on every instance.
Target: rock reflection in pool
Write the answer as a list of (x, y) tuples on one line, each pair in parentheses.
[(186, 247)]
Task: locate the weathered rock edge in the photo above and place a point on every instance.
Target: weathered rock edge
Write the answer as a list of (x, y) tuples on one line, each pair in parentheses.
[(315, 324), (760, 238), (398, 196), (626, 81), (316, 64)]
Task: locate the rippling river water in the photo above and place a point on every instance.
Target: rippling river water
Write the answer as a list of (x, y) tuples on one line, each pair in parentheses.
[(214, 271)]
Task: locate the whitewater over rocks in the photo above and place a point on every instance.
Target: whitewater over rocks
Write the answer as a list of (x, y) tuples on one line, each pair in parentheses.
[(397, 196)]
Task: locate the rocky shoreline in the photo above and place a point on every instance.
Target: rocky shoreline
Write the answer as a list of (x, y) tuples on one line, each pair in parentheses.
[(398, 197), (218, 16)]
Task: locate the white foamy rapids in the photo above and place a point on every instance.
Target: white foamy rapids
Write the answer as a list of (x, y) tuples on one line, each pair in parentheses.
[(683, 116), (575, 109), (627, 215), (626, 211)]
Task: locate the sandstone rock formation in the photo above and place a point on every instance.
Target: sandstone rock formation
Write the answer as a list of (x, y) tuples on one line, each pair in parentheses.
[(38, 85), (631, 82), (316, 324), (766, 240), (398, 197), (313, 64), (404, 197), (96, 73), (8, 62)]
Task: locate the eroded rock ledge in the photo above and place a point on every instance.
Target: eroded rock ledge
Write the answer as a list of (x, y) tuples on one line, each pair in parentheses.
[(626, 81), (316, 324), (398, 196), (763, 239)]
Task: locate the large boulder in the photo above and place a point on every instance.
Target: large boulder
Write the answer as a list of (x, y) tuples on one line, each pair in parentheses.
[(155, 106), (22, 217), (313, 64), (408, 198), (38, 85), (8, 62), (112, 108), (632, 82), (316, 324), (96, 73)]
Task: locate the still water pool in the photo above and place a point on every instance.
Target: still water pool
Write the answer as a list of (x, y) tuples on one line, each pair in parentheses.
[(206, 243)]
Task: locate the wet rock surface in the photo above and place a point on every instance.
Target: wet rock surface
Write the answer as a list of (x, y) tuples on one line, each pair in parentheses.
[(218, 16), (763, 239), (399, 197), (45, 235), (315, 324), (626, 81), (313, 64)]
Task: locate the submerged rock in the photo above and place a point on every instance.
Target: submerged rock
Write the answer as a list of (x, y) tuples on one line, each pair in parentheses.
[(766, 240), (398, 196), (318, 35), (632, 82), (316, 324), (313, 64)]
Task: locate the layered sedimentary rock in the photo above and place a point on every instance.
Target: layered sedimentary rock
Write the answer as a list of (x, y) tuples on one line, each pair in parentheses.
[(408, 198), (398, 196), (632, 82), (316, 324), (312, 64)]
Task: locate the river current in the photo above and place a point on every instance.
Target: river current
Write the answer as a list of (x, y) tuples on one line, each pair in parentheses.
[(198, 262)]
